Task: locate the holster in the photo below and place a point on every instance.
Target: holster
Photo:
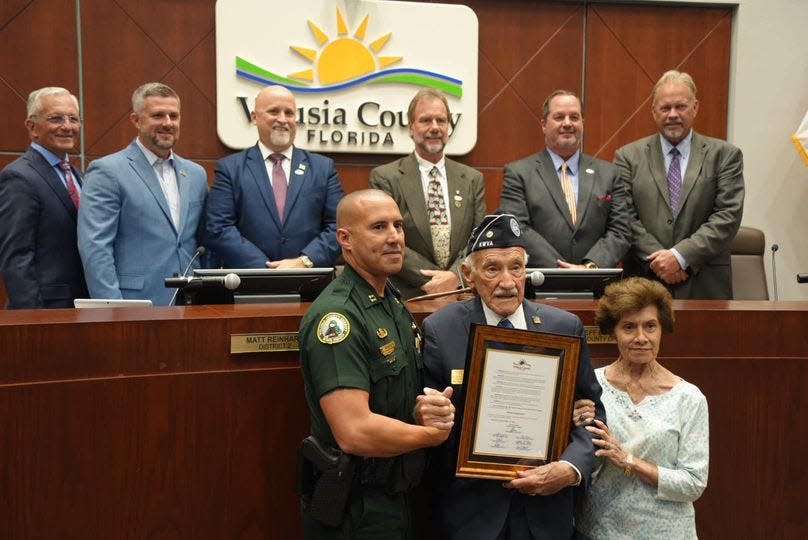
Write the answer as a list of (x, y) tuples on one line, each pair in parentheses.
[(324, 476)]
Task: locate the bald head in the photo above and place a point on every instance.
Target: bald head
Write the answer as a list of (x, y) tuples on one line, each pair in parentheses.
[(274, 116), (275, 91), (356, 204)]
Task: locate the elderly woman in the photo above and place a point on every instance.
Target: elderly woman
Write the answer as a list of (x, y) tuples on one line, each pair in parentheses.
[(655, 450)]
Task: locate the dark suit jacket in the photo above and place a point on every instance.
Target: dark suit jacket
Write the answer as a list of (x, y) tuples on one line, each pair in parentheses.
[(532, 192), (38, 254), (243, 226), (402, 180), (477, 509), (711, 207)]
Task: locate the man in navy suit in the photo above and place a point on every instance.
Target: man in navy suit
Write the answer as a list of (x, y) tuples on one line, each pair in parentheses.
[(572, 207), (274, 205), (39, 195), (538, 504), (141, 212)]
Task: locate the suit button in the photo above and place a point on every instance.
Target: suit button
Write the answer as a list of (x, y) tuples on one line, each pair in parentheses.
[(283, 239), (670, 222)]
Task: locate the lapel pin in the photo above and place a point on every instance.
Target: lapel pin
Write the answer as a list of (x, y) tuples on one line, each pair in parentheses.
[(381, 333), (182, 172), (299, 171), (590, 171), (536, 319)]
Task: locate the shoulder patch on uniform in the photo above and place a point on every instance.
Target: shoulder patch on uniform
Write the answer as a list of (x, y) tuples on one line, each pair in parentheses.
[(333, 328)]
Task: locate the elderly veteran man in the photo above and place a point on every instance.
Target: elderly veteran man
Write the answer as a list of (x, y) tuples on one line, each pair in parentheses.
[(362, 371), (539, 504)]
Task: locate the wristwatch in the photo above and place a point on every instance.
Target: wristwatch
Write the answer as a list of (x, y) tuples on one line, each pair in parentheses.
[(306, 261), (590, 265)]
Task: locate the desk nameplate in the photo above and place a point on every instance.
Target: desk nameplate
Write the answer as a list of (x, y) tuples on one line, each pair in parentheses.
[(264, 342), (594, 337)]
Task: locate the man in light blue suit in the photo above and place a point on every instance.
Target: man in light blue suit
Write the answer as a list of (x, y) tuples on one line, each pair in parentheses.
[(141, 208), (274, 205)]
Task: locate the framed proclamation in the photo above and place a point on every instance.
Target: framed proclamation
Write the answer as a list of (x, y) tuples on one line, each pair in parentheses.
[(519, 387)]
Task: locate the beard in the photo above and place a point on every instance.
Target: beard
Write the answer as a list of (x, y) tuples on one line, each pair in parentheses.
[(280, 137), (165, 140), (431, 145)]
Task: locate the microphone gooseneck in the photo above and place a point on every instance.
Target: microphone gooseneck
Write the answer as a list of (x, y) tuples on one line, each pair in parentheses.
[(198, 253)]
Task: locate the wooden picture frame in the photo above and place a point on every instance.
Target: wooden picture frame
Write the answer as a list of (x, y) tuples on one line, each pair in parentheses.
[(519, 388)]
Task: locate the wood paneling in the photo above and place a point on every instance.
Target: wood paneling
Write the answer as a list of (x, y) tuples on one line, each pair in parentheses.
[(139, 423), (527, 49), (630, 47)]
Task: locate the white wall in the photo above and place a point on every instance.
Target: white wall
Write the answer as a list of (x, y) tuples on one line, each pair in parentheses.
[(768, 99)]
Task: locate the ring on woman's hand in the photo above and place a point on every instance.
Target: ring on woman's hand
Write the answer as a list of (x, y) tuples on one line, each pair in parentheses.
[(582, 418), (607, 446)]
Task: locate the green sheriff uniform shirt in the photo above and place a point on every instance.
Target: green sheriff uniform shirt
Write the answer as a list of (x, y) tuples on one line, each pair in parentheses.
[(352, 338)]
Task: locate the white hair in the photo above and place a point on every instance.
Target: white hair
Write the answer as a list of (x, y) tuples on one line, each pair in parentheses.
[(34, 104)]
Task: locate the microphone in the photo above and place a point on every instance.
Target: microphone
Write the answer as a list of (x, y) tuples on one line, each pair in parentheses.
[(229, 281), (198, 253), (775, 247), (536, 278)]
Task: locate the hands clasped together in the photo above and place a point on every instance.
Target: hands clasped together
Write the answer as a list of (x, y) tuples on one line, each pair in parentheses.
[(435, 409)]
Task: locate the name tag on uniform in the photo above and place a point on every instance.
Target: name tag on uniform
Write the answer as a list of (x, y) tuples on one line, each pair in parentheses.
[(388, 348), (457, 376)]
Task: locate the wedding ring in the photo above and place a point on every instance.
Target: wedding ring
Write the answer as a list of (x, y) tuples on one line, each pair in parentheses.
[(607, 446)]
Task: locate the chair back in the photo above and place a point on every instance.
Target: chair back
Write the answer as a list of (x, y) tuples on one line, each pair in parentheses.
[(748, 272)]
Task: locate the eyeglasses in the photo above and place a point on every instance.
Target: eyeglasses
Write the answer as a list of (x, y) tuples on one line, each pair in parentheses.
[(61, 119)]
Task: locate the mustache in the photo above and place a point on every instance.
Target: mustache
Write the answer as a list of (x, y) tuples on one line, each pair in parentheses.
[(506, 293)]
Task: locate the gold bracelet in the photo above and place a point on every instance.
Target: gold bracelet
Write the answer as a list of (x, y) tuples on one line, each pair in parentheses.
[(629, 465)]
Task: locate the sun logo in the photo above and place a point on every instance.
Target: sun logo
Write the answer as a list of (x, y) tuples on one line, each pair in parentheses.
[(344, 58)]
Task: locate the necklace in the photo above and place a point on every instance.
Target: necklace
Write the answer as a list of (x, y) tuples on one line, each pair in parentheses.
[(636, 388)]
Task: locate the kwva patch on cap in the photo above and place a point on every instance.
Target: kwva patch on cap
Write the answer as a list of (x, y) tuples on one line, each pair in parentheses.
[(496, 231)]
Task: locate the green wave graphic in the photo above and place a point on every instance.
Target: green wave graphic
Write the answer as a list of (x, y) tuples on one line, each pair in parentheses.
[(416, 79)]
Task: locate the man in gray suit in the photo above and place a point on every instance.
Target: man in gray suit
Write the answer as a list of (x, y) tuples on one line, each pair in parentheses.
[(685, 194), (141, 207), (571, 206), (441, 200)]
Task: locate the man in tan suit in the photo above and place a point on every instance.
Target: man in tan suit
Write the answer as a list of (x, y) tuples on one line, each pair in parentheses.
[(686, 195), (441, 200)]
